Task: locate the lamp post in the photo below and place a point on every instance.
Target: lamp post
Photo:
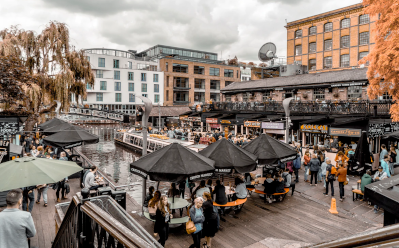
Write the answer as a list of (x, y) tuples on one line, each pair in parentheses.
[(146, 113), (286, 104)]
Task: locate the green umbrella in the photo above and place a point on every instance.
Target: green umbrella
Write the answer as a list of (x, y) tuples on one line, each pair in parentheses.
[(30, 171)]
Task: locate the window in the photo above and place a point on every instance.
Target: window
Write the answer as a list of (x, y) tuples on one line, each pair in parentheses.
[(312, 64), (362, 55), (312, 47), (215, 97), (386, 96), (117, 75), (199, 70), (88, 87), (99, 74), (364, 38), (327, 62), (130, 76), (116, 63), (298, 50), (156, 87), (328, 27), (167, 95), (180, 82), (318, 94), (345, 60), (101, 62), (156, 98), (312, 30), (155, 78), (298, 33), (132, 97), (180, 68), (245, 97), (99, 97), (228, 73), (118, 97), (237, 74), (327, 45), (130, 65), (103, 85), (214, 71), (131, 86), (167, 81), (266, 96), (143, 77), (166, 66), (88, 58), (145, 95), (215, 85), (363, 19), (354, 92), (227, 83), (199, 84), (143, 87), (117, 86), (345, 41), (345, 23)]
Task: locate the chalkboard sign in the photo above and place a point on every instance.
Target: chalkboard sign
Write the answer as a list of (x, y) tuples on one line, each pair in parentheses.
[(4, 150), (376, 130), (9, 126)]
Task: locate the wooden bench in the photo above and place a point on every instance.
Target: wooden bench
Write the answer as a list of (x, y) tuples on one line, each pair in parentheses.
[(356, 192), (275, 194), (239, 203), (173, 221)]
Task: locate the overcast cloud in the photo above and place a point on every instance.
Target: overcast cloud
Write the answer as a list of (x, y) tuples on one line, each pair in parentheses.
[(228, 27)]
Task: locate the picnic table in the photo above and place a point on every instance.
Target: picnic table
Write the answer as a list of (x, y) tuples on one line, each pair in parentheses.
[(178, 203)]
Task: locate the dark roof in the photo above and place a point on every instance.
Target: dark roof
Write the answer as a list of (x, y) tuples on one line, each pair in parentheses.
[(348, 75), (169, 111)]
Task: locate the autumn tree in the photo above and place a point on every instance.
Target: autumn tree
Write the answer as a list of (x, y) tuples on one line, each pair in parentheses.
[(233, 61), (58, 69), (383, 70)]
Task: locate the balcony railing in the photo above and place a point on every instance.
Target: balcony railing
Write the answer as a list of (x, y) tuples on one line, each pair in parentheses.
[(181, 87), (298, 107)]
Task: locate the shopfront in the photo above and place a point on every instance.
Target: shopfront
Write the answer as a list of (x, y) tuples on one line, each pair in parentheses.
[(274, 129), (314, 134), (190, 122), (252, 128), (212, 124)]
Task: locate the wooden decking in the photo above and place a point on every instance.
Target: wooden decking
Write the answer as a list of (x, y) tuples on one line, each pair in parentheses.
[(296, 218)]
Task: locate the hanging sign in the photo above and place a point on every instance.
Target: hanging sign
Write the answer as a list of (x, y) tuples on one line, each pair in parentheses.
[(349, 84), (251, 124), (273, 125), (211, 120), (347, 132), (225, 122), (309, 128)]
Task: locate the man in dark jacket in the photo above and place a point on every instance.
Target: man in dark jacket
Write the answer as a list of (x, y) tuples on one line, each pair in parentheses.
[(297, 165), (314, 166), (366, 179)]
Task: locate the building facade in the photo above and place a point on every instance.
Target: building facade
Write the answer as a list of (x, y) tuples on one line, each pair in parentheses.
[(119, 78), (333, 40), (191, 76)]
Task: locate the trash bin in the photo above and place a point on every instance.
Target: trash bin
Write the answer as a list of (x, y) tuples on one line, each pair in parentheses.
[(119, 197), (104, 191)]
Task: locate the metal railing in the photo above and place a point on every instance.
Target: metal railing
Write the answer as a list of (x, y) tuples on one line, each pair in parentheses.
[(309, 107)]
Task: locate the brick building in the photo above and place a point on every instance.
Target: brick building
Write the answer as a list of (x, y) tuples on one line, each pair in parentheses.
[(190, 75), (337, 39)]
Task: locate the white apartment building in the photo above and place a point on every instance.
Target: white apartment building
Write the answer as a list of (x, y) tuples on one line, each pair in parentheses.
[(245, 73), (119, 77)]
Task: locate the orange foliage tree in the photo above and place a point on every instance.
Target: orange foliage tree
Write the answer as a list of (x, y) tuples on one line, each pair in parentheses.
[(383, 71)]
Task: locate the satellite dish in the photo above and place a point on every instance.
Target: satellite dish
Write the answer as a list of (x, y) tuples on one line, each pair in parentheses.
[(267, 52)]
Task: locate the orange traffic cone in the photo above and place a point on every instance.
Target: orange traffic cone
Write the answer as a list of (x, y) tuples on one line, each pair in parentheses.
[(333, 208)]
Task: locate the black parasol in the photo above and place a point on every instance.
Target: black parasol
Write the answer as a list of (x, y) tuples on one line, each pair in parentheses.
[(362, 153), (55, 129), (270, 151), (51, 123), (228, 156), (173, 163), (71, 137)]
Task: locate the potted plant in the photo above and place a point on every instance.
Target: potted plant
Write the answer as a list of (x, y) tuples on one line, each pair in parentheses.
[(336, 95), (305, 95)]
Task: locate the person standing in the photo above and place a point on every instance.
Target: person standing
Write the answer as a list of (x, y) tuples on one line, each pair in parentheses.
[(341, 174), (392, 159), (173, 191), (197, 216), (211, 220), (288, 181), (42, 189), (385, 166), (297, 165), (220, 193), (199, 191), (162, 218), (149, 196), (182, 188), (331, 172), (383, 152), (16, 226), (323, 169), (314, 166), (306, 160), (28, 195), (60, 187)]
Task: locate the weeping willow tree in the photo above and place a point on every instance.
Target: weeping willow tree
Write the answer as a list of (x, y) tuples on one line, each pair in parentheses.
[(58, 69)]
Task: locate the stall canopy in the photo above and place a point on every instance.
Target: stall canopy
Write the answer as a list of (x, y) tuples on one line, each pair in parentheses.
[(71, 137), (391, 136), (362, 154), (269, 150), (57, 128), (173, 163), (51, 123), (228, 156)]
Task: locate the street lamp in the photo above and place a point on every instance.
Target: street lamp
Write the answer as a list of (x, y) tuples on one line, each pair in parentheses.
[(286, 104)]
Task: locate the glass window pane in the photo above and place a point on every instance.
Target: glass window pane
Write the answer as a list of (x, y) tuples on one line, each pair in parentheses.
[(345, 23), (364, 38), (327, 62), (312, 47), (345, 60), (312, 30), (345, 41), (298, 50), (328, 45), (328, 27), (298, 33)]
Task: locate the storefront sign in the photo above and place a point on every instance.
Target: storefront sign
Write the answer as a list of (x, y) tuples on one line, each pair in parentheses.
[(376, 130), (214, 125), (225, 122), (309, 128), (211, 120), (194, 119), (347, 132), (273, 125), (348, 84), (4, 150), (279, 88), (183, 117), (251, 124)]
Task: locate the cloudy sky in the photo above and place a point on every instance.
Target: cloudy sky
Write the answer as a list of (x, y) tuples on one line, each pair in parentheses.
[(228, 27)]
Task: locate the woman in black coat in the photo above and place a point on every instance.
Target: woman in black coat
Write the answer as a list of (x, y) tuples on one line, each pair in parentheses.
[(162, 219), (211, 220)]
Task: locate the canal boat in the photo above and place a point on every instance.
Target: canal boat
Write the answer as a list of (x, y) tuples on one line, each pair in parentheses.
[(134, 140)]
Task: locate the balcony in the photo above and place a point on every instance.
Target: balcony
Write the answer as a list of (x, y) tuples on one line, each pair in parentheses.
[(181, 87), (181, 102)]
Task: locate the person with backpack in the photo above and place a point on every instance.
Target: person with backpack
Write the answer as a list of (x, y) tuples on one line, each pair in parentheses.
[(331, 171), (297, 165), (341, 175), (288, 181), (211, 219)]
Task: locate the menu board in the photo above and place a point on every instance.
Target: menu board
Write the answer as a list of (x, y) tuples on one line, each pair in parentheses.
[(376, 130), (9, 128)]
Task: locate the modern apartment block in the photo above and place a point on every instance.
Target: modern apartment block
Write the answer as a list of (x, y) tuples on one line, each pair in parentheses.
[(191, 76), (333, 40), (119, 78)]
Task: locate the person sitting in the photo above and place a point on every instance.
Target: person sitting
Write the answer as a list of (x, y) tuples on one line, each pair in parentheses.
[(380, 174), (149, 196), (153, 203), (248, 181), (240, 191), (366, 179), (173, 191), (90, 182), (279, 184), (288, 183), (270, 187), (199, 191), (220, 193)]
